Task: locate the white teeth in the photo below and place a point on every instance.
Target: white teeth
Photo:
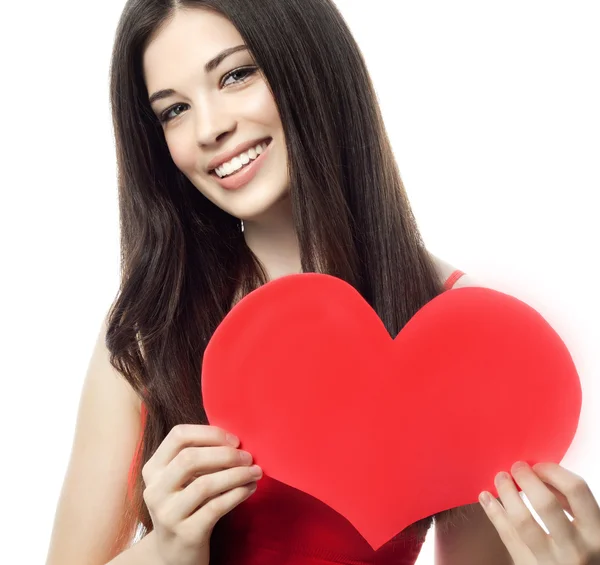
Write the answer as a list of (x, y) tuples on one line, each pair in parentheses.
[(243, 159)]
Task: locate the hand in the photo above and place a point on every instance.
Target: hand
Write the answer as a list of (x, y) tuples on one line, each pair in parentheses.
[(195, 477), (551, 489)]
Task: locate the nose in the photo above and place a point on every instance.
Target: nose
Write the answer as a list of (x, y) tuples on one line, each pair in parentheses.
[(212, 122)]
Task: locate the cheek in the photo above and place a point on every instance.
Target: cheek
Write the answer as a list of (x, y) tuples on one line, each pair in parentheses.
[(263, 106), (182, 154)]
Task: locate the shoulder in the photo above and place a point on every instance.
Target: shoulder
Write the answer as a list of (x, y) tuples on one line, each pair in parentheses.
[(445, 270)]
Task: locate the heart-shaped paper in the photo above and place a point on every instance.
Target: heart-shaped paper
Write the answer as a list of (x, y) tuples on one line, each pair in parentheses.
[(387, 432)]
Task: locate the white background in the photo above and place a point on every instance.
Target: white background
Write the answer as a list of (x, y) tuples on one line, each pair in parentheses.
[(493, 112)]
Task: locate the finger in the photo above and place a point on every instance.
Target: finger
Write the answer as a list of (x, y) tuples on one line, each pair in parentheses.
[(526, 526), (562, 499), (196, 461), (546, 505), (585, 509), (206, 487), (206, 518), (517, 548), (188, 435)]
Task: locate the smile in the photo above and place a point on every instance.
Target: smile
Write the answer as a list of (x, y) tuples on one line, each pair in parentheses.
[(246, 173)]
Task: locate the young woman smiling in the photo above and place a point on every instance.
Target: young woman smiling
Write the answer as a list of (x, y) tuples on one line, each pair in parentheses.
[(250, 146)]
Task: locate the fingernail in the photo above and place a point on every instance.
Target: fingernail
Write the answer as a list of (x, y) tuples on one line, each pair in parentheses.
[(233, 440), (485, 498), (256, 471), (519, 465)]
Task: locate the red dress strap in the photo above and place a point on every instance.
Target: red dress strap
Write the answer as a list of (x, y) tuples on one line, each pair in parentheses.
[(451, 280)]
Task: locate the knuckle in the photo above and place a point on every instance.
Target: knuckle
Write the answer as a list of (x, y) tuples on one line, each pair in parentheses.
[(202, 487), (179, 432), (578, 489), (549, 505), (218, 435), (234, 456), (512, 536), (522, 521), (214, 509), (149, 497), (146, 472), (186, 457)]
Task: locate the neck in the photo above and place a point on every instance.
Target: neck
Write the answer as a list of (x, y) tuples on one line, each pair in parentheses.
[(272, 238)]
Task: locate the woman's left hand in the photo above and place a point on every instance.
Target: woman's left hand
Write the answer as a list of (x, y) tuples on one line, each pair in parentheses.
[(551, 489)]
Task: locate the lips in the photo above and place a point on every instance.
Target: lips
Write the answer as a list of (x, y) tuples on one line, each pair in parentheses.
[(238, 151), (245, 174)]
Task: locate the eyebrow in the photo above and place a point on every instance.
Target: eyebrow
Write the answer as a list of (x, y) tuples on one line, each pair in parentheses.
[(209, 67)]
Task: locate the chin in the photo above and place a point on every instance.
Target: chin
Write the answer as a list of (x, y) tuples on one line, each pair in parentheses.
[(252, 203), (257, 207)]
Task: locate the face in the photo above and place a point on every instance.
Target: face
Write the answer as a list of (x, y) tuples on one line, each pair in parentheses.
[(211, 113)]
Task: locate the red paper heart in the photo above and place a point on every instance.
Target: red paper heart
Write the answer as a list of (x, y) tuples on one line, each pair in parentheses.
[(387, 432)]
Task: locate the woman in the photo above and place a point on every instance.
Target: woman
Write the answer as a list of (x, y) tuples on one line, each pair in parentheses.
[(250, 146)]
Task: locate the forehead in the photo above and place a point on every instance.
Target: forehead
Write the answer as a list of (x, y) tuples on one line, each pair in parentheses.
[(187, 41)]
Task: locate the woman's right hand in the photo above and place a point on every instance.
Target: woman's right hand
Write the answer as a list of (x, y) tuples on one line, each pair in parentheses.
[(196, 476)]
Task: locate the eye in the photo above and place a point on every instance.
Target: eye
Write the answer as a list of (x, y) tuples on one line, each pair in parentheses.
[(164, 117), (245, 72)]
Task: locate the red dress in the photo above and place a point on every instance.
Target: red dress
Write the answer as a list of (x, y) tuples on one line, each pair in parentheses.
[(280, 525)]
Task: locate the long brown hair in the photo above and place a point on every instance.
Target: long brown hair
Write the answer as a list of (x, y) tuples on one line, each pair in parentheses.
[(183, 258)]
